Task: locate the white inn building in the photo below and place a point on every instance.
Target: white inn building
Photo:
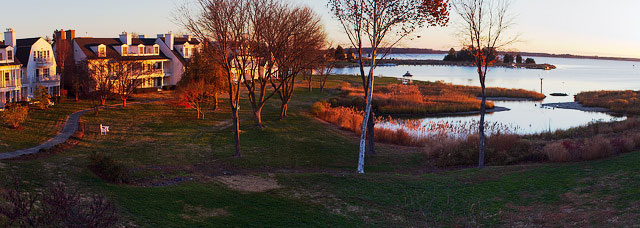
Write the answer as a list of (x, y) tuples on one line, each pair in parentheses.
[(26, 64), (10, 72), (165, 56)]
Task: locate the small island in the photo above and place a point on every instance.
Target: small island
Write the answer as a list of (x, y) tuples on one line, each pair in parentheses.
[(453, 58)]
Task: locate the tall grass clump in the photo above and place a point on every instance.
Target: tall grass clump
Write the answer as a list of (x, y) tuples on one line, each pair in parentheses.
[(627, 102), (398, 99), (557, 152)]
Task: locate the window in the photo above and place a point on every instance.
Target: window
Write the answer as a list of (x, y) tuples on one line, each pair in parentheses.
[(45, 72), (141, 50), (35, 55), (186, 52), (156, 50), (6, 77), (1, 58), (9, 55), (102, 52), (125, 50)]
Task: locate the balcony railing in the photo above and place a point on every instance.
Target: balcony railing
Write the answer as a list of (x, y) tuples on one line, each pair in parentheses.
[(10, 83), (48, 78), (44, 61)]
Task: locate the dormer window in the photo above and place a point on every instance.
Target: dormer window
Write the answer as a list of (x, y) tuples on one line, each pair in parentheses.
[(156, 50), (125, 50), (1, 58), (102, 51), (9, 55), (141, 50)]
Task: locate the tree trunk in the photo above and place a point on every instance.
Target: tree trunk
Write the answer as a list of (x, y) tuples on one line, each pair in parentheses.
[(77, 92), (283, 110), (481, 128), (257, 117), (365, 119), (371, 135), (236, 131), (124, 102), (215, 103), (310, 84), (323, 81), (103, 101)]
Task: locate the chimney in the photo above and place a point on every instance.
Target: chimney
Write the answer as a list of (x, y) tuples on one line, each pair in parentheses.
[(71, 34), (60, 35), (10, 37), (168, 39), (125, 38), (160, 35), (142, 36)]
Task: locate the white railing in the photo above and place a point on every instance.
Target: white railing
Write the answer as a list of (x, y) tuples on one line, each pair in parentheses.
[(10, 83), (48, 78)]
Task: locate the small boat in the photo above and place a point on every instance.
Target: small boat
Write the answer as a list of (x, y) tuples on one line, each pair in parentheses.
[(559, 94)]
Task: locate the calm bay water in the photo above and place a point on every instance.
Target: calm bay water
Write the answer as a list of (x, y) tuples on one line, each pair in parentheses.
[(572, 76)]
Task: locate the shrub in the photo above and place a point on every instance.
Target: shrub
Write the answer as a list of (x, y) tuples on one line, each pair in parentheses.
[(596, 147), (41, 97), (108, 169), (557, 152), (57, 206), (15, 115)]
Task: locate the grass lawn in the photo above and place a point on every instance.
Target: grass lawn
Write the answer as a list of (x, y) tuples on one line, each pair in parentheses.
[(179, 166), (40, 126)]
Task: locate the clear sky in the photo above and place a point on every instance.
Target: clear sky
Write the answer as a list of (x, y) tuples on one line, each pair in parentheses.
[(586, 27)]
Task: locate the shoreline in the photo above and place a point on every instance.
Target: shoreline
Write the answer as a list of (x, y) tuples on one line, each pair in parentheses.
[(511, 99), (467, 113), (431, 62), (576, 106)]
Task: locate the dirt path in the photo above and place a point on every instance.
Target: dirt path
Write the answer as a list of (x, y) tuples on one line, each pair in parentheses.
[(70, 126)]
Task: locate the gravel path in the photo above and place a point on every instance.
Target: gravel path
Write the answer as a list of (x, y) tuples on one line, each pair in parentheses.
[(70, 126)]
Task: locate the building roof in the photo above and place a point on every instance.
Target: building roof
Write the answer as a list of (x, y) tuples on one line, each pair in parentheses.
[(85, 45), (23, 49), (22, 55), (27, 42), (15, 62), (2, 45), (145, 41), (182, 40)]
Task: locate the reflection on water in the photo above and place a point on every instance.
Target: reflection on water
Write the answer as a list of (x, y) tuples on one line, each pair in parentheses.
[(529, 118), (572, 76)]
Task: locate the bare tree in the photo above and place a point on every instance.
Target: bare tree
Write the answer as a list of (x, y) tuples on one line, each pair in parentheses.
[(226, 23), (483, 28), (381, 24), (102, 77), (129, 76), (294, 36), (202, 81), (323, 68)]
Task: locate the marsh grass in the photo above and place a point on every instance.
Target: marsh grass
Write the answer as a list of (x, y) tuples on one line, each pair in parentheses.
[(627, 102)]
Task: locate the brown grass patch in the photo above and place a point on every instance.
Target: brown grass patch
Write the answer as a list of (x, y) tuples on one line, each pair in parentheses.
[(249, 183), (200, 214)]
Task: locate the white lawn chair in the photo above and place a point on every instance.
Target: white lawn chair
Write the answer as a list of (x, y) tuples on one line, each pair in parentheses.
[(104, 129)]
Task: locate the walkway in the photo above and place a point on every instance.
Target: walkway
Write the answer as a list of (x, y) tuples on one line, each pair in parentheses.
[(70, 127)]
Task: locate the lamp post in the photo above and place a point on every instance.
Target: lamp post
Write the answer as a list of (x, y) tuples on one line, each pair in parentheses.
[(541, 84)]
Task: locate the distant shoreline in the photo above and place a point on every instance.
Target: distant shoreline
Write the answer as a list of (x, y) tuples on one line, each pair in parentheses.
[(394, 62), (530, 54)]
